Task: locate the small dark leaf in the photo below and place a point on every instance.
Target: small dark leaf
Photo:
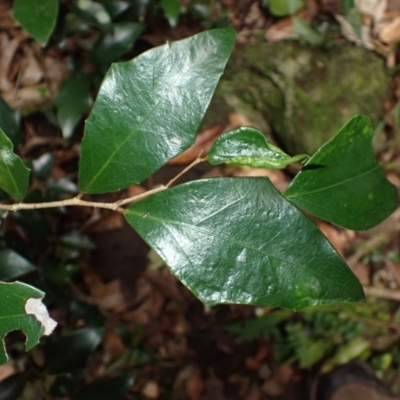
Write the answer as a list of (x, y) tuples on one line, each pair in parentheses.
[(248, 146), (107, 388), (237, 240), (72, 100), (112, 45), (66, 353), (11, 387), (342, 183), (9, 122), (13, 265), (149, 109), (14, 175)]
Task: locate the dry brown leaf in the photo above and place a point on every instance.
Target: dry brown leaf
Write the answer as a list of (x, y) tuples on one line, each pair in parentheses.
[(194, 385), (272, 388), (112, 344), (8, 48), (32, 72), (254, 393), (337, 239), (6, 371), (151, 390), (203, 143), (113, 220)]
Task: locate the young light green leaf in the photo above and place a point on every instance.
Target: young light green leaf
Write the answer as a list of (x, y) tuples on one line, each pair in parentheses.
[(21, 308), (114, 43), (13, 265), (342, 183), (37, 17), (149, 109), (14, 176), (282, 8), (72, 100), (237, 240), (248, 146)]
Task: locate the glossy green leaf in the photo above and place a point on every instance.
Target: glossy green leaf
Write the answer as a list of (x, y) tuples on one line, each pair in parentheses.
[(248, 146), (113, 44), (21, 308), (342, 183), (9, 122), (72, 100), (13, 265), (37, 17), (172, 9), (71, 351), (237, 240), (114, 388), (282, 8), (14, 176), (149, 109)]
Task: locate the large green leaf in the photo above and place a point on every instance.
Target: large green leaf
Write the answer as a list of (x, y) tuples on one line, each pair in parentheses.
[(237, 240), (37, 17), (14, 176), (342, 183), (248, 146), (21, 308), (149, 109)]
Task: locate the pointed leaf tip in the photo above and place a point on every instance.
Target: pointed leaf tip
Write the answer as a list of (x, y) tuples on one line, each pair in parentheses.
[(342, 183), (148, 110)]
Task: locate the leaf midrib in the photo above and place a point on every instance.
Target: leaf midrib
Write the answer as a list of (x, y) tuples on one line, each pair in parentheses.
[(331, 186), (228, 239)]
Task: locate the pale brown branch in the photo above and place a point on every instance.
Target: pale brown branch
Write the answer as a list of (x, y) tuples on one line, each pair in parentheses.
[(116, 206)]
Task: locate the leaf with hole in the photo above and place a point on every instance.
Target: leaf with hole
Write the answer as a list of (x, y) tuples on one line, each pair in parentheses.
[(149, 109), (248, 146), (237, 240), (342, 183), (21, 308), (14, 176)]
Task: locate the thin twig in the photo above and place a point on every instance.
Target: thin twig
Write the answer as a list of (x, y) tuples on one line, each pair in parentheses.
[(198, 160), (116, 206)]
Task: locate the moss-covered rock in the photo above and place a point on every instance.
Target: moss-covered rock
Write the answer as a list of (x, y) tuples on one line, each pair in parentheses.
[(301, 93)]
